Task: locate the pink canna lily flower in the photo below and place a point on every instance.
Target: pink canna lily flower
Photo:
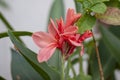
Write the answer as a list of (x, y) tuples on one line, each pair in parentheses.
[(78, 39), (47, 41), (64, 37), (71, 17)]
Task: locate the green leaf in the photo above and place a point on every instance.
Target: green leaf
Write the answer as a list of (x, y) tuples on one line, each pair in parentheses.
[(42, 68), (86, 22), (99, 8), (106, 59), (97, 1), (16, 33), (79, 0), (1, 78), (83, 77), (79, 6), (21, 69), (87, 4), (115, 30), (57, 9), (112, 43), (113, 3), (92, 1), (55, 61)]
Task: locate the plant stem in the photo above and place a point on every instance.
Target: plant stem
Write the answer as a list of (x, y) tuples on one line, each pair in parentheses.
[(81, 64), (4, 20), (98, 59), (16, 33), (63, 69), (72, 67), (73, 70)]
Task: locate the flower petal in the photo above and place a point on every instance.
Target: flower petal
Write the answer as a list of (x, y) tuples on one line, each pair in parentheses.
[(46, 53), (42, 39), (86, 34), (52, 29), (74, 39), (71, 30), (70, 13), (71, 17), (75, 43), (60, 25)]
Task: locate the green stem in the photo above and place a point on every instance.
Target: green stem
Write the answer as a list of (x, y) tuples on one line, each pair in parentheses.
[(16, 33), (73, 70), (81, 65), (8, 25), (71, 66), (98, 59), (63, 69), (4, 20)]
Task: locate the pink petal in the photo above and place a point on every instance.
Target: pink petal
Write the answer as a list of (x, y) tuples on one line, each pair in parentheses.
[(46, 53), (71, 17), (70, 13), (60, 24), (42, 39), (82, 50), (86, 34), (76, 17), (71, 30), (75, 43), (52, 29)]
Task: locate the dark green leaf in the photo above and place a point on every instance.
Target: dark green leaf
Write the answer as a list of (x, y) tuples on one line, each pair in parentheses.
[(16, 33), (97, 1), (79, 6), (21, 69), (115, 30), (106, 59), (99, 8), (57, 9), (74, 61), (86, 22), (1, 78), (55, 61), (42, 68), (112, 43), (113, 3)]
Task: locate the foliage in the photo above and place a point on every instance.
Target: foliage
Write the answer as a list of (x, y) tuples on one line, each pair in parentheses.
[(101, 14)]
